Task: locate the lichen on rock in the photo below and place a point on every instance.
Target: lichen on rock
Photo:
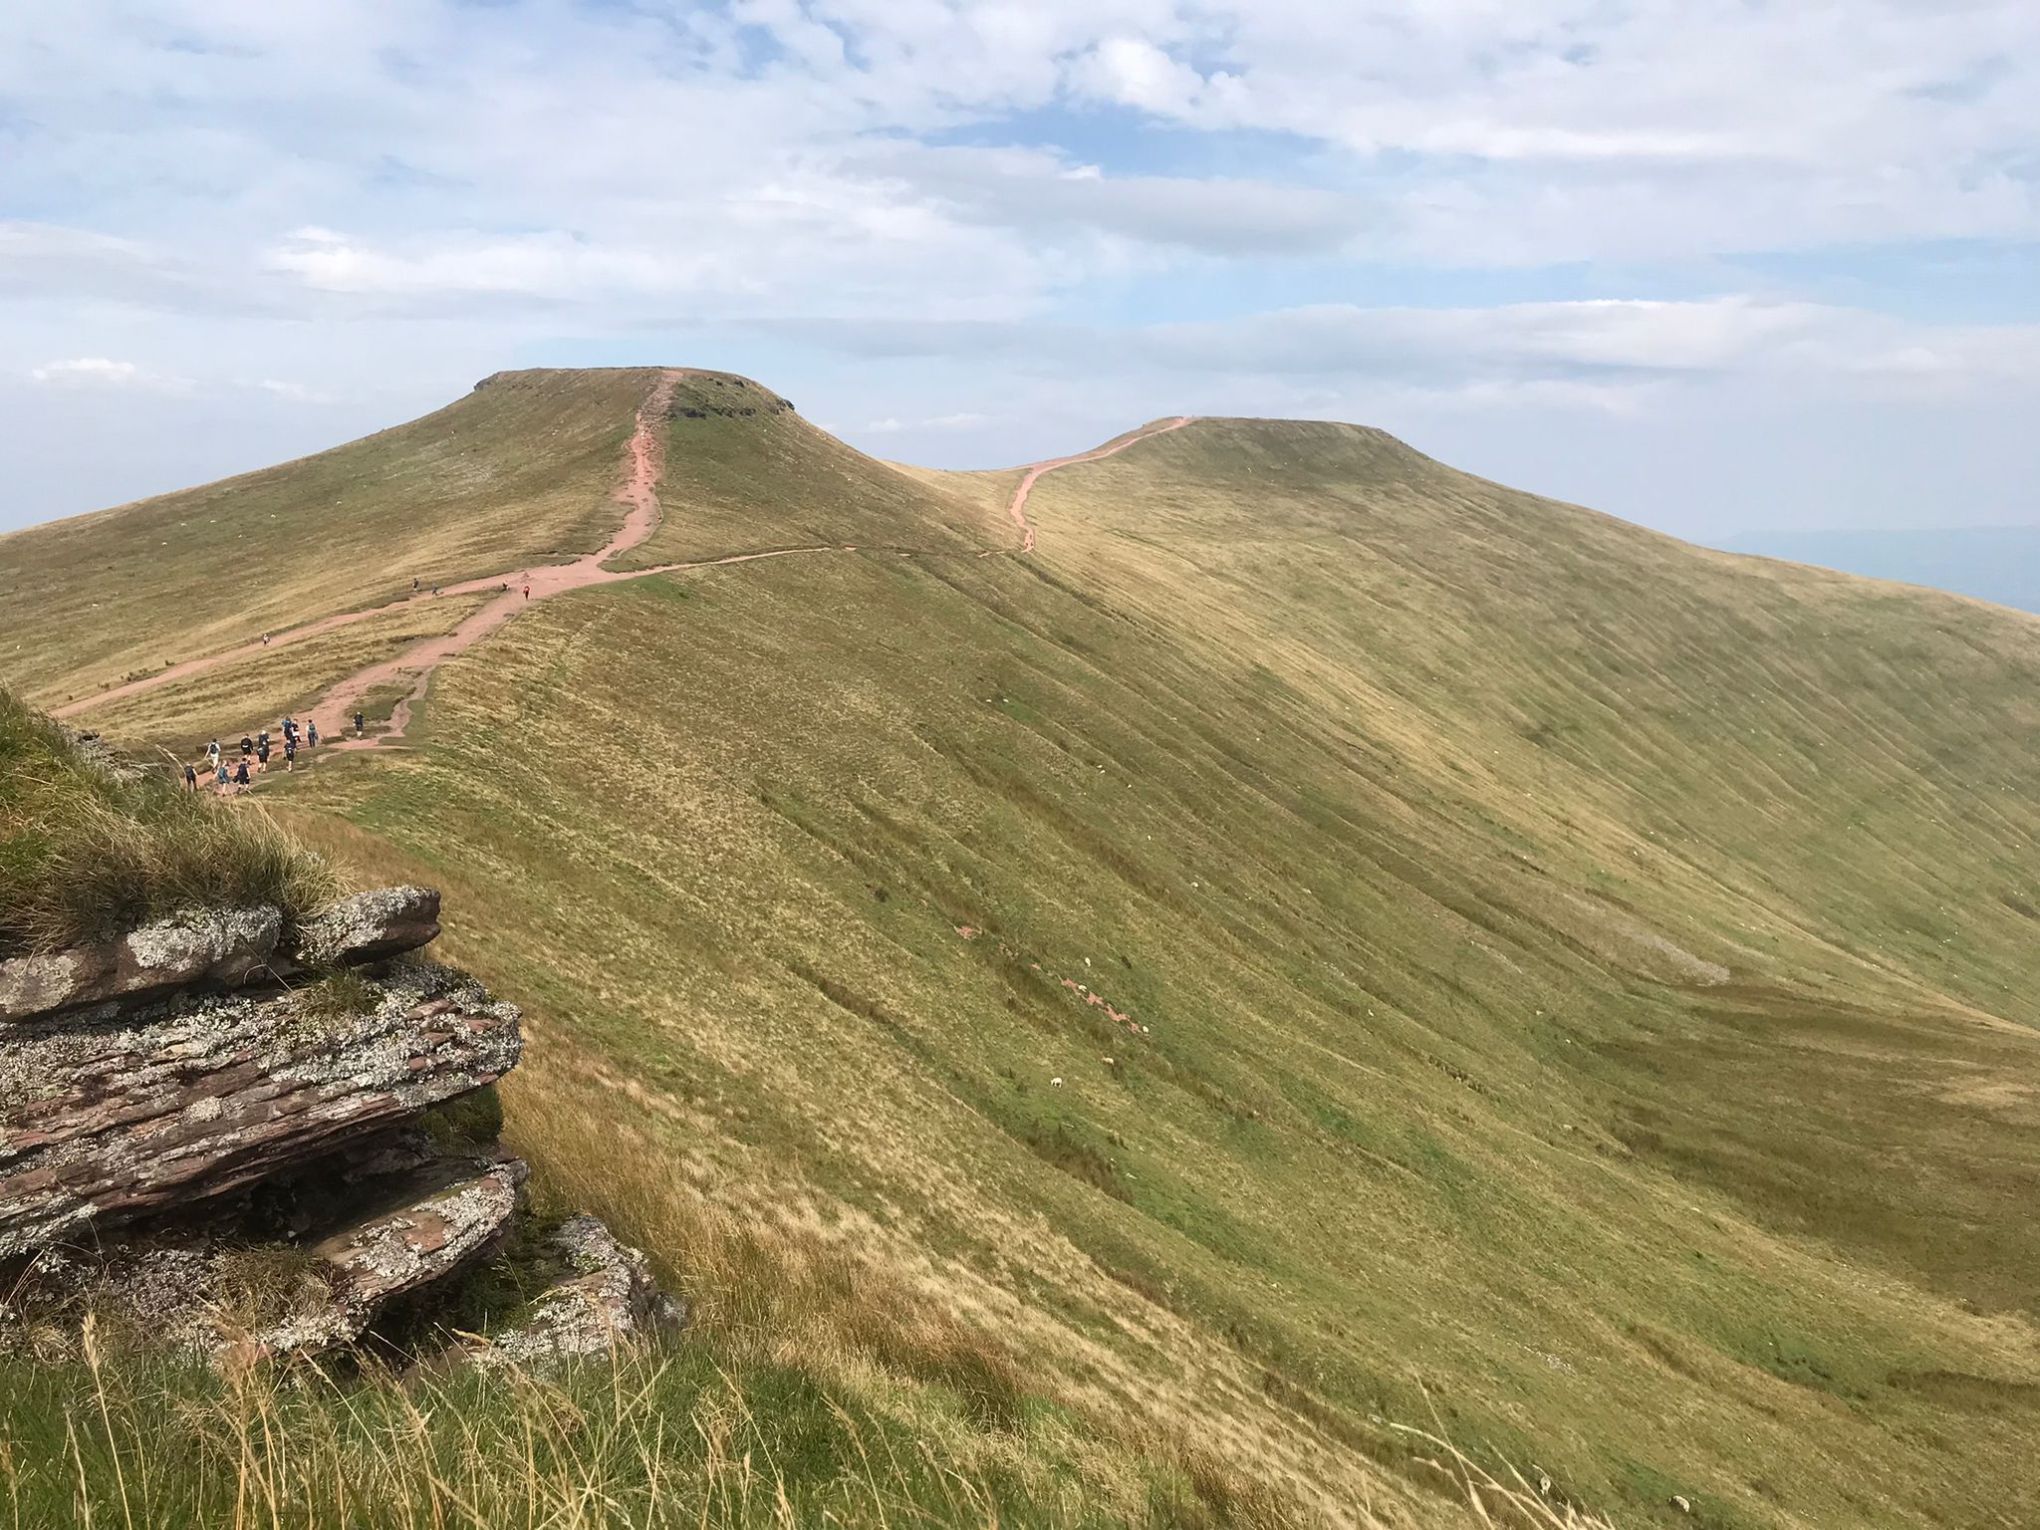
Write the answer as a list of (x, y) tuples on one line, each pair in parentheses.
[(243, 1140), (211, 948), (105, 1121), (607, 1296)]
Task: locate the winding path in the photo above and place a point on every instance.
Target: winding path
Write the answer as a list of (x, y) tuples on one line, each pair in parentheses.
[(1018, 508), (334, 710)]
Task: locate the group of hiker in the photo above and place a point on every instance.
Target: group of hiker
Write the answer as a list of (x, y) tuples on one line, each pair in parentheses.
[(256, 750)]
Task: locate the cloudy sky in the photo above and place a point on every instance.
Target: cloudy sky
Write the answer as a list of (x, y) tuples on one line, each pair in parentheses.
[(1710, 264)]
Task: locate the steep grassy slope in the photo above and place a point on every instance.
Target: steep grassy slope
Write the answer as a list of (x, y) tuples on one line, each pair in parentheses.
[(517, 472), (745, 473), (1552, 985)]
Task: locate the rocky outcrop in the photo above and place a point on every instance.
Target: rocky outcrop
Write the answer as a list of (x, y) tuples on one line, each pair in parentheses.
[(206, 949), (422, 1228), (249, 1140), (369, 927), (215, 949), (605, 1295), (105, 1122)]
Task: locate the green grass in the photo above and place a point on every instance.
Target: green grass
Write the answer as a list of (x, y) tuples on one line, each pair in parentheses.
[(743, 475), (520, 471), (1409, 820), (667, 1440), (85, 856)]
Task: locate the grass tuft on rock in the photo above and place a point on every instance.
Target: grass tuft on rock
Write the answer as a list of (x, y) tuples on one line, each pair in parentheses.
[(87, 854)]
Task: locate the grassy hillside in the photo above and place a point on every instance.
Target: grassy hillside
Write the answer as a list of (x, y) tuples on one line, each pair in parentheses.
[(1326, 946), (745, 473), (517, 472)]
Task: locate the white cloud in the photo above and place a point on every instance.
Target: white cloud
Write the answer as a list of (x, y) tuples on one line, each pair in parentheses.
[(1602, 347), (891, 426), (1134, 72), (102, 372), (294, 392)]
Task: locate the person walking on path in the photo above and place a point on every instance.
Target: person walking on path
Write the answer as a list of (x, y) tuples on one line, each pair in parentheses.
[(247, 746), (212, 753), (241, 774), (219, 775), (358, 721), (262, 752), (290, 753), (190, 779), (312, 734)]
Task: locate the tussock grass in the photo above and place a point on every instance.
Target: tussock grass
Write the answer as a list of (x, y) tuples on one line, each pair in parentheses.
[(651, 1441), (85, 855), (767, 1292), (336, 997)]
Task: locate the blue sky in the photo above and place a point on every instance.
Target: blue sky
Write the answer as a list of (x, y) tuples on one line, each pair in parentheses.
[(1713, 265)]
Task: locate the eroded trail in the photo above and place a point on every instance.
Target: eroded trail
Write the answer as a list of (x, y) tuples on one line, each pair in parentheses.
[(412, 670), (1018, 508), (333, 712)]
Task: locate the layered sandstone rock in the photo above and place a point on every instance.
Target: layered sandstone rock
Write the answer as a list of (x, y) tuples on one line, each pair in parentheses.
[(209, 950), (605, 1295), (369, 927), (202, 949), (420, 1229), (222, 1132), (102, 1122)]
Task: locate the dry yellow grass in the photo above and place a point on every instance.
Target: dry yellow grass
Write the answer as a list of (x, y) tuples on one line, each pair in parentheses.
[(1411, 822)]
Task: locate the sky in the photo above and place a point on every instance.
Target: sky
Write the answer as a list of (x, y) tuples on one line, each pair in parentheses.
[(1712, 265)]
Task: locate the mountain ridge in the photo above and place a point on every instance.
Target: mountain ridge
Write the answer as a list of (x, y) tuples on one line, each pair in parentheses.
[(1322, 943)]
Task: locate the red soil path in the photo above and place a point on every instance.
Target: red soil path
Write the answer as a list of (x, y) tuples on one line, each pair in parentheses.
[(1018, 508), (334, 711)]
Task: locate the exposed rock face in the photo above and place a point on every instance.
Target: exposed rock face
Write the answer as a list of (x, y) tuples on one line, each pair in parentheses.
[(214, 949), (204, 948), (607, 1297), (369, 927), (206, 1287), (243, 1171), (100, 1122), (424, 1227)]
